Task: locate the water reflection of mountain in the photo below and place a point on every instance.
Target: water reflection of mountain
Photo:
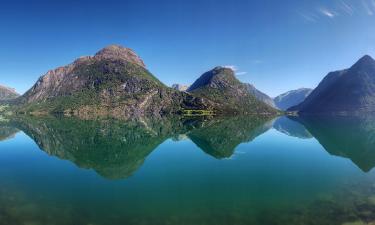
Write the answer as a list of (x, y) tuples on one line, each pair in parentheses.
[(219, 138), (7, 132), (350, 137), (291, 127), (116, 149)]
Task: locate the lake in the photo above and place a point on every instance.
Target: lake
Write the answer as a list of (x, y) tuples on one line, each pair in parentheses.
[(240, 170)]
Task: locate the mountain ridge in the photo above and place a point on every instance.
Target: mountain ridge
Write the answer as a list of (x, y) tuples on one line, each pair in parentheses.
[(7, 93), (291, 98), (348, 91)]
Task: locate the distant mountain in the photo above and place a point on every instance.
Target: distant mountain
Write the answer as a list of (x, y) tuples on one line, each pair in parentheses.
[(114, 82), (260, 95), (227, 93), (349, 91), (7, 93), (291, 98), (180, 87), (290, 127)]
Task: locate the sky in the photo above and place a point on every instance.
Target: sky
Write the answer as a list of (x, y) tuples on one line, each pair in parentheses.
[(275, 45)]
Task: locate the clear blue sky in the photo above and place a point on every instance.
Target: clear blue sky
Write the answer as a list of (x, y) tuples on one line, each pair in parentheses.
[(276, 45)]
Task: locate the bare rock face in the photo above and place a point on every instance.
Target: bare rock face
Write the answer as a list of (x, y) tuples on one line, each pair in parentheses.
[(7, 93), (119, 52), (114, 81)]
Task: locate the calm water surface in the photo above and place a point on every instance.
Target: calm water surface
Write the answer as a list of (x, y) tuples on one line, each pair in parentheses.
[(312, 170)]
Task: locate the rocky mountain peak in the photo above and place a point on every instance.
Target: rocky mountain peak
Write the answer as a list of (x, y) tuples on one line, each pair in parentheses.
[(7, 93), (119, 52), (366, 64), (218, 74)]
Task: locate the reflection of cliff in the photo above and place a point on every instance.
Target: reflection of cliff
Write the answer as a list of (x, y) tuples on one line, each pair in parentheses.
[(113, 149), (290, 127), (220, 137), (116, 149), (7, 132), (350, 137)]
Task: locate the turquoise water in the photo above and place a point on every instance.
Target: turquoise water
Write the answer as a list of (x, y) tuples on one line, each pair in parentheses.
[(313, 170)]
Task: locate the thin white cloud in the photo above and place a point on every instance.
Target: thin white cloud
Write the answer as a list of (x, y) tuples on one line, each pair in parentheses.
[(329, 13), (235, 69), (232, 67), (257, 61), (241, 73), (309, 17)]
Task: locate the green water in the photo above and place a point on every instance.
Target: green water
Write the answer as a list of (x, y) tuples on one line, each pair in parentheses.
[(312, 170)]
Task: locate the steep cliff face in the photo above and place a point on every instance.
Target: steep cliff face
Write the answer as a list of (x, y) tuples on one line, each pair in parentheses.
[(228, 94), (349, 91), (114, 82), (7, 93)]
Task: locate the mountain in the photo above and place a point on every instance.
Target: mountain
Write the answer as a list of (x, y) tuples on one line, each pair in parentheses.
[(7, 93), (260, 95), (180, 87), (349, 91), (113, 82), (291, 98), (227, 93)]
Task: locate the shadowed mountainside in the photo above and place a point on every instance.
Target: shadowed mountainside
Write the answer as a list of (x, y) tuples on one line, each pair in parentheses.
[(346, 92)]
